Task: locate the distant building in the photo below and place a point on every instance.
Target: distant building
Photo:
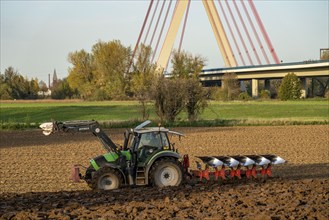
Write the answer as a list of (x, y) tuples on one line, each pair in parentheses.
[(46, 90), (44, 93)]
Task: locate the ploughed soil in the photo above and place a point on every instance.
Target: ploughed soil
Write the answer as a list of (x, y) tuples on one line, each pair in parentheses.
[(35, 177)]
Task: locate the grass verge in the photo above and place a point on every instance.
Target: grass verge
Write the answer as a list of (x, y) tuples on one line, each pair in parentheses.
[(26, 115)]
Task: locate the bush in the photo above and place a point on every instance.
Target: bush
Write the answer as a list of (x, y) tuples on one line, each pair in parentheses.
[(290, 87), (327, 95), (215, 93), (195, 98), (265, 94), (244, 96)]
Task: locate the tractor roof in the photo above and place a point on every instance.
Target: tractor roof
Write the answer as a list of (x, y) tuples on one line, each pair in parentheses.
[(140, 129), (156, 129)]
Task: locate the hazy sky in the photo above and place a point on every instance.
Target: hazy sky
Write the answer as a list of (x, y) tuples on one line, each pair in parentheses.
[(37, 36)]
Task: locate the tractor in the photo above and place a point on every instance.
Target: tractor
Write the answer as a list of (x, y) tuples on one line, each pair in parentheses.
[(147, 157)]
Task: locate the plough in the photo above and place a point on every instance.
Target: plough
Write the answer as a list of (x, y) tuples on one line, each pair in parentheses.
[(229, 167)]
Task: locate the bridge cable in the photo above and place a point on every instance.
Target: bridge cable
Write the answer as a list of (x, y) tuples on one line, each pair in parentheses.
[(255, 32), (140, 34), (247, 32), (239, 33), (215, 29), (231, 32), (151, 22), (157, 23), (159, 37), (262, 28)]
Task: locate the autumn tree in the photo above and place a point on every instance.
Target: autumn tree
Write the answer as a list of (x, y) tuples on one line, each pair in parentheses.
[(111, 60), (33, 88), (144, 77), (15, 86), (188, 67), (5, 90), (182, 91), (62, 90), (81, 75), (101, 74)]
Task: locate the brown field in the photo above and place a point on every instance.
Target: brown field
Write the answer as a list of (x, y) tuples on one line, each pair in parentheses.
[(35, 177)]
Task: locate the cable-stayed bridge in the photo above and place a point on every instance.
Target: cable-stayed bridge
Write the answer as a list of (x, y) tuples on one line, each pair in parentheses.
[(243, 42)]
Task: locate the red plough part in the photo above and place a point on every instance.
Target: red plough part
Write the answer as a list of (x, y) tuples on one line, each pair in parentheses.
[(220, 173), (230, 167), (75, 173)]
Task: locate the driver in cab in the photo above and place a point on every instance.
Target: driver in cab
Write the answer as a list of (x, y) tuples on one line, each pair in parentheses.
[(149, 142)]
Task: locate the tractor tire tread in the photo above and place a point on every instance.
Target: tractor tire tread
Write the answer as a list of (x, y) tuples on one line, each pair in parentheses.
[(94, 181), (164, 161)]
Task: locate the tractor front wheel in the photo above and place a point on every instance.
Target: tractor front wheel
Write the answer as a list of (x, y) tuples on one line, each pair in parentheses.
[(166, 172), (106, 179)]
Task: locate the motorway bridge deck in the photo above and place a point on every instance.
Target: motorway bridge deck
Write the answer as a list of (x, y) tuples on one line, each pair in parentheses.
[(303, 70)]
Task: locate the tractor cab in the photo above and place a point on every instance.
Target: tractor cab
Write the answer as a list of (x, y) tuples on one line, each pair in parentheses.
[(147, 156), (150, 142), (145, 143)]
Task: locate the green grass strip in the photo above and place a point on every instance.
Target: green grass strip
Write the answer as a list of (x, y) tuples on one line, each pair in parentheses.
[(22, 115)]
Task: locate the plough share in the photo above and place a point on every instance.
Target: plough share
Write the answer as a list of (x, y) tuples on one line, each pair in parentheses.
[(229, 167)]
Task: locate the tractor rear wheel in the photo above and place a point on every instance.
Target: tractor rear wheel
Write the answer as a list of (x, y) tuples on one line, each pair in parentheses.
[(166, 172), (106, 179)]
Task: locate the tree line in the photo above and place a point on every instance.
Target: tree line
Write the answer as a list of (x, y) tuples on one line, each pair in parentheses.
[(109, 73), (14, 86)]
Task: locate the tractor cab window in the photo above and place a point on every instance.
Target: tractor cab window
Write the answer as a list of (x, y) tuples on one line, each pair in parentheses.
[(149, 144), (165, 142), (152, 139)]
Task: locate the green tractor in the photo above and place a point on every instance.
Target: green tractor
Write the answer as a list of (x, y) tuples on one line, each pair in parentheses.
[(147, 157)]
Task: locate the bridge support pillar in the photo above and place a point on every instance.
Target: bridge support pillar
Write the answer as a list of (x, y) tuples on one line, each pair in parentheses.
[(304, 88), (254, 88)]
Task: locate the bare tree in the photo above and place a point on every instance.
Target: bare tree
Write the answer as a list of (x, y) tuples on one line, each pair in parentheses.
[(170, 98), (230, 86)]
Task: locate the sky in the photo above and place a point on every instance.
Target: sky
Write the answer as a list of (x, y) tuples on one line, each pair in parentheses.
[(37, 36)]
